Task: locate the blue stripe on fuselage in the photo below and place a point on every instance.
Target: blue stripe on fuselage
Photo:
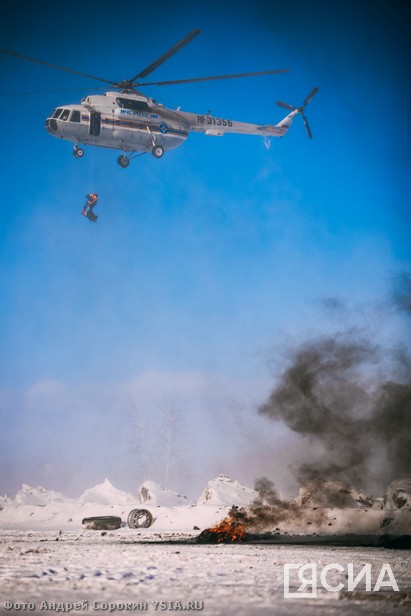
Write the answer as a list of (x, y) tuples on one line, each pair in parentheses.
[(141, 126)]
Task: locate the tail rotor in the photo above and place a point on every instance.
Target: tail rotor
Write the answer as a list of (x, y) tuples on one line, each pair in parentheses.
[(301, 109)]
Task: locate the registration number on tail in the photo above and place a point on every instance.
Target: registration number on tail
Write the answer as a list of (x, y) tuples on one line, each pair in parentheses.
[(210, 120)]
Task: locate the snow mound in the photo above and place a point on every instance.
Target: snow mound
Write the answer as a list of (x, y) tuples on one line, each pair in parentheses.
[(38, 496), (153, 494), (398, 495), (224, 491), (4, 500), (106, 494), (338, 494)]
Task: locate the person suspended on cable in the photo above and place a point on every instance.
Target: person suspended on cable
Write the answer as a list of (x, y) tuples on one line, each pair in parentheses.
[(87, 210)]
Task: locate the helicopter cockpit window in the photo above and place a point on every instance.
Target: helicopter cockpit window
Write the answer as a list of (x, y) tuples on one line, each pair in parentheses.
[(128, 103), (75, 116), (56, 112), (65, 114)]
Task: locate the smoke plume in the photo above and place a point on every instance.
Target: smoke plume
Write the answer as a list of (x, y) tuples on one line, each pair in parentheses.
[(268, 510), (338, 394)]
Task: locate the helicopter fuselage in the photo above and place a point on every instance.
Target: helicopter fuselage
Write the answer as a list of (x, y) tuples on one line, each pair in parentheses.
[(132, 122)]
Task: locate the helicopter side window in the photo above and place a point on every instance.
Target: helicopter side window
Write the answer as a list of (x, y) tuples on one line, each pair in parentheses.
[(65, 114), (56, 112), (128, 103), (75, 116)]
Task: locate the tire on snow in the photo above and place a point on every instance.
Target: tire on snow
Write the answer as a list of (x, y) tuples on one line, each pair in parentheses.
[(139, 518), (103, 522)]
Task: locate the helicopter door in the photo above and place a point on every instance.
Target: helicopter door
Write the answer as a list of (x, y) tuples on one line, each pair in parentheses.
[(95, 123)]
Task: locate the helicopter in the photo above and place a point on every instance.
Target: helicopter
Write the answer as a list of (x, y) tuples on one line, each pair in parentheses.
[(125, 119)]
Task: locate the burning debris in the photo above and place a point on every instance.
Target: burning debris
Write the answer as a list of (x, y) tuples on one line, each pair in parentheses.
[(341, 515), (262, 515), (229, 530)]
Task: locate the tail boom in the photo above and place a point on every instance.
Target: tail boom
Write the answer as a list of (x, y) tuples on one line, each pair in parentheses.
[(211, 125)]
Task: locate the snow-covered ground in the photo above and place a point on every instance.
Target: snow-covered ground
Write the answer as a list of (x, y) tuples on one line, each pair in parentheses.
[(121, 567), (49, 561)]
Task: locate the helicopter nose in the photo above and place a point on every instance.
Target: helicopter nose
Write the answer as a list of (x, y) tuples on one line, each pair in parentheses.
[(51, 125)]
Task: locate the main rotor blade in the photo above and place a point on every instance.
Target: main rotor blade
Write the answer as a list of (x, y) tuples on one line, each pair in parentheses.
[(64, 90), (60, 68), (176, 81), (166, 55)]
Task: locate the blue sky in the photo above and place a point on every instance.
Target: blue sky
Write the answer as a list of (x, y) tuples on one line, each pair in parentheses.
[(205, 264)]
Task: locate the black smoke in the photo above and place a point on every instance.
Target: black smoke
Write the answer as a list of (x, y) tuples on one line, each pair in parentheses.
[(268, 509), (352, 400)]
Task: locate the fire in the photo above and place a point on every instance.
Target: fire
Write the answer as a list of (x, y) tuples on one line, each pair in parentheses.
[(229, 530)]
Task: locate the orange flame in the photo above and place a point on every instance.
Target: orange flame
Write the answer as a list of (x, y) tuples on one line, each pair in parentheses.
[(229, 530)]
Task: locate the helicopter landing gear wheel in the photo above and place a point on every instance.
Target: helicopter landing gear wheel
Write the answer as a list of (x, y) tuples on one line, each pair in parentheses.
[(123, 161), (78, 152), (157, 151)]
